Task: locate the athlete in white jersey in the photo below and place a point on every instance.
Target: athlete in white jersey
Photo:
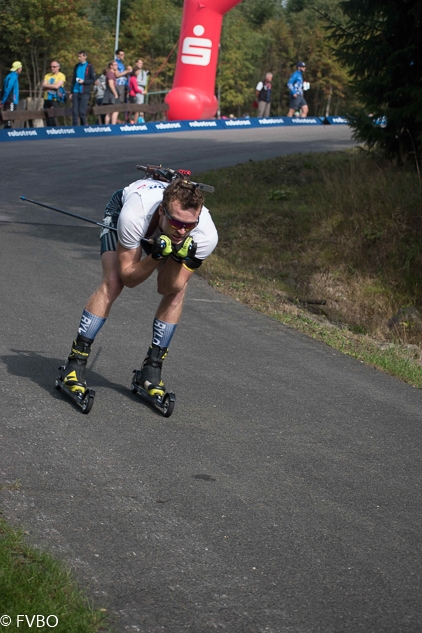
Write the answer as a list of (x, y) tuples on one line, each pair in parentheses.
[(160, 227), (140, 200)]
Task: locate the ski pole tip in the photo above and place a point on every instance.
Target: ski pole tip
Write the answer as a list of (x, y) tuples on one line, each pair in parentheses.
[(23, 198)]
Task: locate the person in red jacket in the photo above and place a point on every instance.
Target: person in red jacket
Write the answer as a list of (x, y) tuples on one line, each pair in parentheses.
[(134, 90)]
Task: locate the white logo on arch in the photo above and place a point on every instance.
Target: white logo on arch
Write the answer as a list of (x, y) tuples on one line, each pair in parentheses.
[(196, 50)]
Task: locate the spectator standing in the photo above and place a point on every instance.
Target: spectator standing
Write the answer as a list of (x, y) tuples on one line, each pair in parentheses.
[(100, 88), (134, 92), (10, 92), (263, 95), (121, 75), (82, 80), (142, 78), (295, 85), (54, 86), (111, 96)]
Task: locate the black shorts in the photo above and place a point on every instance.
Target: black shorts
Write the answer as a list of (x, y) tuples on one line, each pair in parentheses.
[(112, 212), (297, 102), (109, 98)]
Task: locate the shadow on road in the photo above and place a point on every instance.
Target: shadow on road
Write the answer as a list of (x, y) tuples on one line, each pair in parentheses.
[(77, 238), (42, 370)]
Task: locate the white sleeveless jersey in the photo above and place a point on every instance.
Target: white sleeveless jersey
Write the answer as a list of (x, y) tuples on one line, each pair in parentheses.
[(140, 201)]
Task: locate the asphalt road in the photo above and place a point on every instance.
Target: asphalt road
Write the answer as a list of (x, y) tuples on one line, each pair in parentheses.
[(282, 496)]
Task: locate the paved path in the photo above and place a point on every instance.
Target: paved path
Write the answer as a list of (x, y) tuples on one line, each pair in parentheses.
[(283, 495)]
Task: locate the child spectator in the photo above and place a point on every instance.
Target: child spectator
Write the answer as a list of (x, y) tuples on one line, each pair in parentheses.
[(134, 90)]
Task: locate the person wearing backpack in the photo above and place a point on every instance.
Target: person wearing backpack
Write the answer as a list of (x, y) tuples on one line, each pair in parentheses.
[(54, 94)]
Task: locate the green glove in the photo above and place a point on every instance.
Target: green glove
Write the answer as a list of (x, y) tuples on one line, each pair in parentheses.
[(162, 247), (183, 251)]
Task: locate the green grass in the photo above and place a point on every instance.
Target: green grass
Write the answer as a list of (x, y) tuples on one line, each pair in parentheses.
[(342, 228), (33, 583)]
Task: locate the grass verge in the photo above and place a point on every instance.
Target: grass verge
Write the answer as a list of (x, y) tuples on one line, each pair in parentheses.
[(329, 244), (34, 584)]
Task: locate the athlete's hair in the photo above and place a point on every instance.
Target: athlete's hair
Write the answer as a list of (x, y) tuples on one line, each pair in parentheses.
[(186, 193)]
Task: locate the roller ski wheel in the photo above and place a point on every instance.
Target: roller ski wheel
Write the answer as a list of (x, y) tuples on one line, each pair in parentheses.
[(83, 399), (164, 403)]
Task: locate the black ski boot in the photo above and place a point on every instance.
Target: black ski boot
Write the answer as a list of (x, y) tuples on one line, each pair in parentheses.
[(147, 383), (71, 376), (150, 375), (74, 372)]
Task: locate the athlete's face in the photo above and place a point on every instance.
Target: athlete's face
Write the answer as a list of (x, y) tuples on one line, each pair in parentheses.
[(178, 233)]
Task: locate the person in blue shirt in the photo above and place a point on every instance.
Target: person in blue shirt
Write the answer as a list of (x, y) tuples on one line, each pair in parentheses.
[(295, 85), (10, 92), (122, 75), (82, 81)]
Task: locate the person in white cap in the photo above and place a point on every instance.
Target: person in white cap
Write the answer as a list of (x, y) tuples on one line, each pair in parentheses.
[(10, 92)]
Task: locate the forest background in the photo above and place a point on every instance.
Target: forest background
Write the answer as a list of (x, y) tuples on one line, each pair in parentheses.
[(257, 36)]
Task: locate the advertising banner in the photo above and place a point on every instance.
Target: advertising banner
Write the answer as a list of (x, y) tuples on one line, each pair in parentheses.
[(156, 127)]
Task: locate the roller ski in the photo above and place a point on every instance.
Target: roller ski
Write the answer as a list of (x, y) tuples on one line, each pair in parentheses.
[(147, 382), (71, 378)]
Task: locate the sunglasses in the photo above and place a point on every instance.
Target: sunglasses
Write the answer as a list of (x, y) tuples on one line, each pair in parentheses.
[(178, 224)]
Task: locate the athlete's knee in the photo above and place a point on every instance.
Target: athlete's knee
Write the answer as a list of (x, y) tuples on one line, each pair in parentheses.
[(174, 294), (111, 286), (171, 290)]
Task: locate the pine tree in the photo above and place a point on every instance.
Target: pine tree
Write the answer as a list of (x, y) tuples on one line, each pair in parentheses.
[(381, 44)]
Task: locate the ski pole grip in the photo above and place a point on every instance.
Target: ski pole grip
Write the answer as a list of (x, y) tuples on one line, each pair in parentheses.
[(149, 169)]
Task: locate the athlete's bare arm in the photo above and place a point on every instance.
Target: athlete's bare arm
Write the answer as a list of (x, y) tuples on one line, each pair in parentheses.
[(134, 270), (172, 277)]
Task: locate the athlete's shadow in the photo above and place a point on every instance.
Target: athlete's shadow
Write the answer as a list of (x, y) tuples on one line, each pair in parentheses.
[(43, 370)]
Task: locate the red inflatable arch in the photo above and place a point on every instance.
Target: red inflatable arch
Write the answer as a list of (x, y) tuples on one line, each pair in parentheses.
[(192, 95)]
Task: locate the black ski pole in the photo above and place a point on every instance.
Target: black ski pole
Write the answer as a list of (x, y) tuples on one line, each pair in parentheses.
[(73, 215)]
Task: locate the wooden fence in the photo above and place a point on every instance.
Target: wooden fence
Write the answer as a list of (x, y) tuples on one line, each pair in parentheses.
[(20, 116)]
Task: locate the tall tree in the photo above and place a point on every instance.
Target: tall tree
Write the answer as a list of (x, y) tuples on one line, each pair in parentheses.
[(33, 31), (381, 44), (328, 77), (151, 32), (242, 47)]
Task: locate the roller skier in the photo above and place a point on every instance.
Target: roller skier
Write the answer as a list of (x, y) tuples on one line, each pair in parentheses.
[(163, 227)]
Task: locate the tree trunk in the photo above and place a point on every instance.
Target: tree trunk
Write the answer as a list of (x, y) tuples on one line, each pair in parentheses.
[(330, 94)]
